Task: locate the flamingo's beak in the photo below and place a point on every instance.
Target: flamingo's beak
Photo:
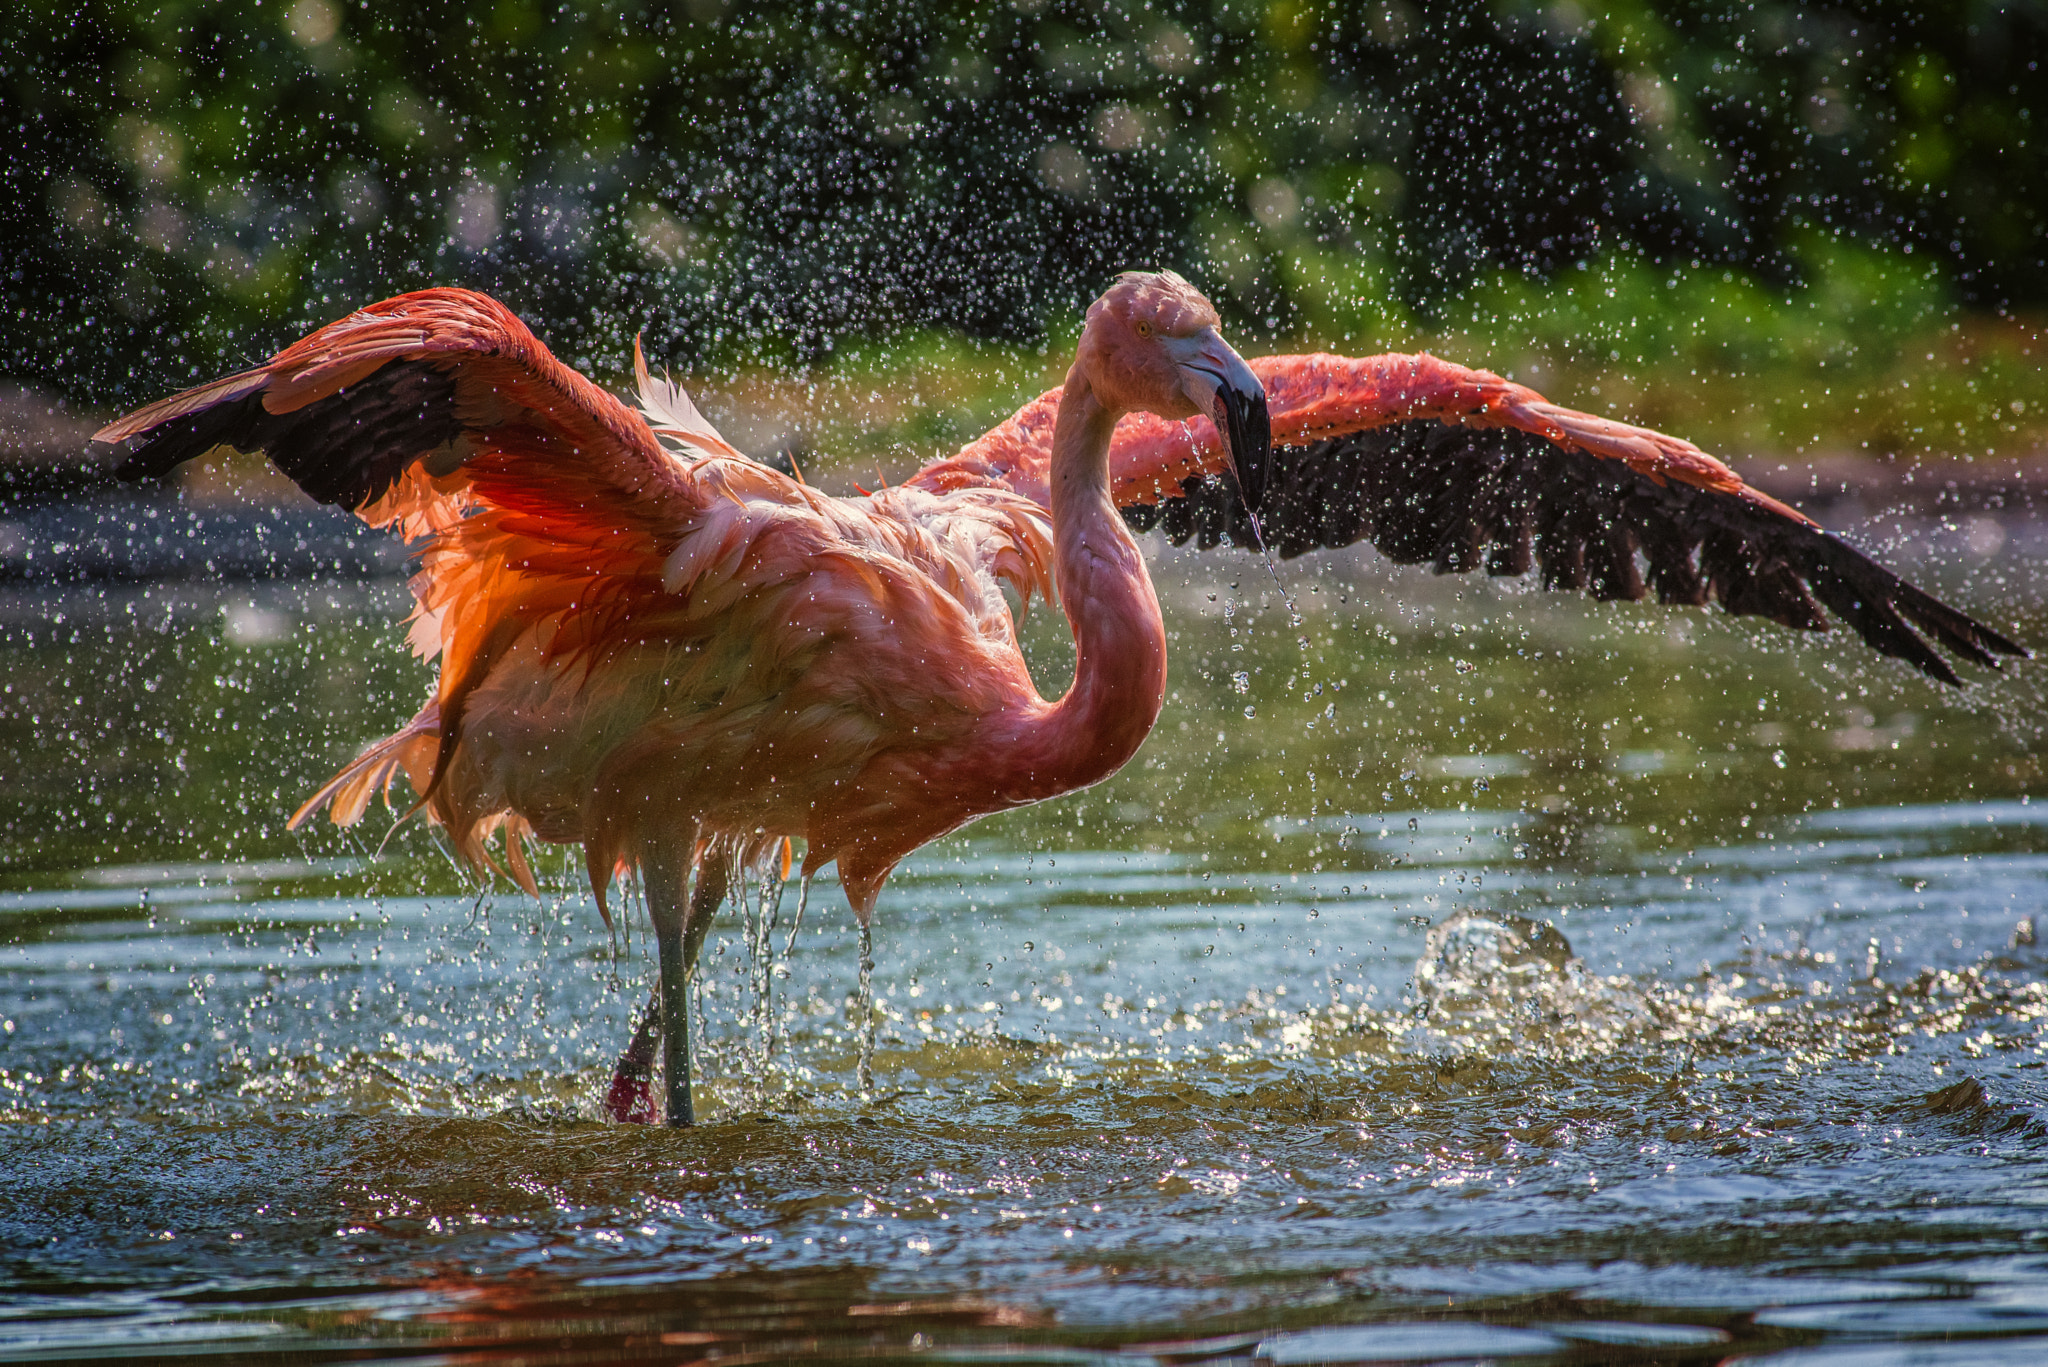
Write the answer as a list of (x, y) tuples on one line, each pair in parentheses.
[(1219, 383)]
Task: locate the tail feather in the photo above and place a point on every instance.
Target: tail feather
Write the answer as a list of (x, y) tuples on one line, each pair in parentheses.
[(475, 847), (348, 793), (517, 833)]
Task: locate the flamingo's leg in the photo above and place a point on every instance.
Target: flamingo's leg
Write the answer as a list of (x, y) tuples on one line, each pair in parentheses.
[(714, 880), (679, 932), (666, 871)]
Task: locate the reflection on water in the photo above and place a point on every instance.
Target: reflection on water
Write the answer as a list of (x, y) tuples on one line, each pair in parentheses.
[(1527, 981)]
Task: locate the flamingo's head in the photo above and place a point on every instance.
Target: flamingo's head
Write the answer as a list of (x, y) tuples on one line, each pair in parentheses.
[(1151, 344)]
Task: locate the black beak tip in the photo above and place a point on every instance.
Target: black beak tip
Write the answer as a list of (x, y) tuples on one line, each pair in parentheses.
[(1251, 444)]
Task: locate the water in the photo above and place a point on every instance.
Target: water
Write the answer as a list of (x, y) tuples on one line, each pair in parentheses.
[(1558, 983)]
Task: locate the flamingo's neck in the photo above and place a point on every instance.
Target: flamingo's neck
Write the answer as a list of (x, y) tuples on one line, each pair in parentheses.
[(1119, 640)]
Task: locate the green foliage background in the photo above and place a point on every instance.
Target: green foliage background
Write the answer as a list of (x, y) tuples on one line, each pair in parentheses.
[(1671, 185)]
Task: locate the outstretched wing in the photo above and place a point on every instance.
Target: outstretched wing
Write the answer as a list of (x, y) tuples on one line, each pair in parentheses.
[(411, 404), (535, 497), (1434, 463)]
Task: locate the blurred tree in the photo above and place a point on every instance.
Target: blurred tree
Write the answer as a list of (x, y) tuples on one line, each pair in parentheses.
[(194, 183)]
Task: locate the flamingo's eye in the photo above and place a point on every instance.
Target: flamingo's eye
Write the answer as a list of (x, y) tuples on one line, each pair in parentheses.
[(1144, 329)]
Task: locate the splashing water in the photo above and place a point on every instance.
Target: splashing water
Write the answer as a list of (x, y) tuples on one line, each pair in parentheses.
[(1475, 964)]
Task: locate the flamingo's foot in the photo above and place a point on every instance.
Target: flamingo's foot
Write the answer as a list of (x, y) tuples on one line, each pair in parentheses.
[(631, 1098), (630, 1101)]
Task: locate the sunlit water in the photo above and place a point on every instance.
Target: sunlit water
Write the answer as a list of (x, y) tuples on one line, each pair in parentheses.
[(1460, 974)]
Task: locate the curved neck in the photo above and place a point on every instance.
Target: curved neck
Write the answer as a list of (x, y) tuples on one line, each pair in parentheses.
[(1119, 639)]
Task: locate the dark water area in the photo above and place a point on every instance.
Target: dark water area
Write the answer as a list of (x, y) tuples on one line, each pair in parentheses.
[(1458, 974)]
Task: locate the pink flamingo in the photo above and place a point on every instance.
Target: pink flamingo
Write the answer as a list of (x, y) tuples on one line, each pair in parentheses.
[(683, 658)]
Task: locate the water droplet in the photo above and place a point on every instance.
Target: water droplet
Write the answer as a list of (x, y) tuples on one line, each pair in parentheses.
[(1251, 711), (1030, 945), (1241, 681)]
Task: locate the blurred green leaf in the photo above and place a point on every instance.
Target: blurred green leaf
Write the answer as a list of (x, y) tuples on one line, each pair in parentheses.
[(195, 185)]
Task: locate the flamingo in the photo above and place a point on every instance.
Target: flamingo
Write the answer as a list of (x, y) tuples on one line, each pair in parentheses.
[(684, 659)]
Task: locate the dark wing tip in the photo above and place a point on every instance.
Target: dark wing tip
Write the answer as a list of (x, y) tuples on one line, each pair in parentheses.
[(345, 450), (1884, 609), (1510, 501), (154, 453)]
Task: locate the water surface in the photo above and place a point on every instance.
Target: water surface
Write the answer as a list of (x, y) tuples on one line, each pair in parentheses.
[(1457, 973)]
